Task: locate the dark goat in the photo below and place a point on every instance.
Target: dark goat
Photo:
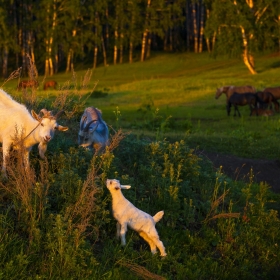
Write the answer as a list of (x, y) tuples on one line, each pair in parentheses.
[(93, 129)]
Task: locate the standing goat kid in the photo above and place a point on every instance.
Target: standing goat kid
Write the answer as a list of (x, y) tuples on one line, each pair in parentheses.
[(19, 129), (127, 214), (93, 130)]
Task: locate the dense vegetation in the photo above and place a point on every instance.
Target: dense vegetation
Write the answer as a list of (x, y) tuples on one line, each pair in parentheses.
[(56, 221)]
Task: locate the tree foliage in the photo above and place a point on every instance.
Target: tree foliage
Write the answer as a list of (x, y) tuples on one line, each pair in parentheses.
[(56, 34)]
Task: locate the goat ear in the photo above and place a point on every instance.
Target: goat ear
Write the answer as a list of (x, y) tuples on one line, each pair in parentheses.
[(35, 116), (62, 128), (125, 187)]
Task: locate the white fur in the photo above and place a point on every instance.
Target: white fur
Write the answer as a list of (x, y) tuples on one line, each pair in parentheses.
[(97, 133), (15, 125), (127, 214)]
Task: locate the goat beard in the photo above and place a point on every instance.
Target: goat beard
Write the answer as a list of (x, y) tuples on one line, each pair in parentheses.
[(42, 149)]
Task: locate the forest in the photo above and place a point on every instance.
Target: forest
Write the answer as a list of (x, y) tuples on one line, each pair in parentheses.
[(59, 34)]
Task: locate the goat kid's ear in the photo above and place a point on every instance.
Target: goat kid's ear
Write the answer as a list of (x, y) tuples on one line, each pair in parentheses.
[(35, 116), (125, 187)]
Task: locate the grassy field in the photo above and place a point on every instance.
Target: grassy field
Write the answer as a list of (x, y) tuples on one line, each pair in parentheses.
[(172, 96), (56, 222)]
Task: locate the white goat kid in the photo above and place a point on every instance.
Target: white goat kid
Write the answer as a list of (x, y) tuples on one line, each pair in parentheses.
[(19, 129), (127, 214), (93, 130)]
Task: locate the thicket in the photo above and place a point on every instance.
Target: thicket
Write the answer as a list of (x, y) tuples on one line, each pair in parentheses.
[(55, 221)]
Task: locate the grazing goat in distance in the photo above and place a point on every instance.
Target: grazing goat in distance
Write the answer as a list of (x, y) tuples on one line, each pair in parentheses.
[(18, 128), (93, 130), (127, 214)]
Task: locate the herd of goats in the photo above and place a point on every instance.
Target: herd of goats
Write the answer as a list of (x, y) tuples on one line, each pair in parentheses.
[(22, 130), (260, 102)]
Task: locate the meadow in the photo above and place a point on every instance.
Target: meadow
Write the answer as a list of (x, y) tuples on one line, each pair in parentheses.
[(56, 221)]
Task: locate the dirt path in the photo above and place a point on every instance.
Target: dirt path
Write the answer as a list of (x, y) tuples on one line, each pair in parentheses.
[(239, 168)]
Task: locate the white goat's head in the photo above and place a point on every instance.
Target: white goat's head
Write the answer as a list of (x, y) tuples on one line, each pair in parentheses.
[(113, 185), (46, 128)]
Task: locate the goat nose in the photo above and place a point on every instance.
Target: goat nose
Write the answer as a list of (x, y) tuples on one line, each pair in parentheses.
[(47, 138)]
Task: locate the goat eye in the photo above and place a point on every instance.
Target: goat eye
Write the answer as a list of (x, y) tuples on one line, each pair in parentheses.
[(55, 127), (42, 124)]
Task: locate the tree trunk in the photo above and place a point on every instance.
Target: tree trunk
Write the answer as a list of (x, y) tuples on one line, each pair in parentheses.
[(130, 51), (149, 46), (131, 37), (145, 33), (165, 42), (104, 51), (195, 30), (47, 67), (171, 39), (214, 40), (201, 28), (5, 62), (247, 57), (95, 56), (121, 48), (207, 39), (188, 22), (107, 30), (116, 47)]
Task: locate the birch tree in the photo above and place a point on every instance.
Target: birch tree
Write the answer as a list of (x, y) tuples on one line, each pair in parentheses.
[(243, 27)]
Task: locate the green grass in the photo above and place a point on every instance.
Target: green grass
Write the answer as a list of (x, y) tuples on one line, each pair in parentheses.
[(183, 86)]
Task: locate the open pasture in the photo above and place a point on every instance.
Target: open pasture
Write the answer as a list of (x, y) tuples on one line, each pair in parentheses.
[(56, 221), (173, 96)]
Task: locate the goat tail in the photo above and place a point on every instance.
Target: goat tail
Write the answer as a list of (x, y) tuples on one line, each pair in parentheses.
[(158, 216)]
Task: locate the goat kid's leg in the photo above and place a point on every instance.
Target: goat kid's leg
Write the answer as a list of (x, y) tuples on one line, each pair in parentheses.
[(122, 233), (159, 244), (151, 243), (118, 230)]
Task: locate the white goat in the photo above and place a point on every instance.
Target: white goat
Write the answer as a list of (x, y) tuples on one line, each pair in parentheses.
[(19, 129), (127, 214), (93, 129)]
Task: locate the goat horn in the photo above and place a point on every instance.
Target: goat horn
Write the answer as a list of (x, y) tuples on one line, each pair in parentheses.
[(45, 112), (87, 126), (83, 122), (58, 114)]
